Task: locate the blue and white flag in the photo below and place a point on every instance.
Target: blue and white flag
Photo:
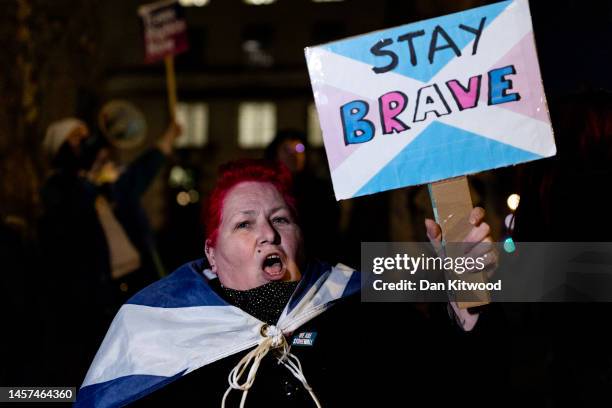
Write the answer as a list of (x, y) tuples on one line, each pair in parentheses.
[(179, 324)]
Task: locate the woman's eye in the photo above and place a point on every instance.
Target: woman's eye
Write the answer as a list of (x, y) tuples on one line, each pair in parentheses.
[(281, 220), (243, 224)]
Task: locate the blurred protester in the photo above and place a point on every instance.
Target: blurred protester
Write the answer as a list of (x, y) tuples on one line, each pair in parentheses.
[(563, 199), (97, 243), (556, 189), (316, 203), (20, 297)]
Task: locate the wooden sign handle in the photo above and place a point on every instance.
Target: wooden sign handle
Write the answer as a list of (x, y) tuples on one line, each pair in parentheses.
[(171, 85), (452, 205)]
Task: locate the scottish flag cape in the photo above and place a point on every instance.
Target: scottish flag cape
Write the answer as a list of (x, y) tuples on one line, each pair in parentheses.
[(180, 324)]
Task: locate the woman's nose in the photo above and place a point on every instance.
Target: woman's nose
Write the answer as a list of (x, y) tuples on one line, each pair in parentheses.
[(267, 233)]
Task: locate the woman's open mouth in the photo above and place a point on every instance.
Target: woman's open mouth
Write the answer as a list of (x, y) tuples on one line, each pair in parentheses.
[(273, 266)]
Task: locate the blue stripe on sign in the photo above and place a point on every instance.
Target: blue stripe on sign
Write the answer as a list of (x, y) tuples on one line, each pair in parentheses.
[(358, 48), (440, 152), (121, 391), (185, 287)]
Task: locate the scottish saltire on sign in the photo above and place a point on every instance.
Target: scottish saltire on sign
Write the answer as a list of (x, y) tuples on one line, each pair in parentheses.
[(427, 101)]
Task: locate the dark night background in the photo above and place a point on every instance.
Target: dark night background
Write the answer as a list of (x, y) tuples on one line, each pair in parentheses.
[(68, 58)]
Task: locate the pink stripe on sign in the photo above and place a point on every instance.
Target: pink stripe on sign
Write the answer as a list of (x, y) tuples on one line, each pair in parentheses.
[(526, 81), (331, 123)]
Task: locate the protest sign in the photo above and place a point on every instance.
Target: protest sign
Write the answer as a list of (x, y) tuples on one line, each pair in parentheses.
[(431, 100), (165, 35), (165, 30)]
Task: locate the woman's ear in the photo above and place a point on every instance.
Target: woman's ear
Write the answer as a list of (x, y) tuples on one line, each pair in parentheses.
[(210, 254)]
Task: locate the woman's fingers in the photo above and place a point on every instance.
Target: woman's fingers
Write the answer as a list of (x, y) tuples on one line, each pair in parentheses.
[(486, 255), (477, 244), (434, 232), (480, 248), (476, 216), (478, 233)]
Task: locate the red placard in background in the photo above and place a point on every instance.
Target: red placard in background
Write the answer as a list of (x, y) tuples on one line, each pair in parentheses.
[(165, 30)]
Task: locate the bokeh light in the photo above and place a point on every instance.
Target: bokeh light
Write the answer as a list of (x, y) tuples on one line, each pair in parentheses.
[(513, 201)]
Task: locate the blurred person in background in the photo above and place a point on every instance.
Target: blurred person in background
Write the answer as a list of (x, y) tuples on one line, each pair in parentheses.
[(316, 203), (563, 199), (96, 240), (555, 188)]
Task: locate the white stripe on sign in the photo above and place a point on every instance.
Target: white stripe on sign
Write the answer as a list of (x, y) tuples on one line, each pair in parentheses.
[(504, 126), (497, 39)]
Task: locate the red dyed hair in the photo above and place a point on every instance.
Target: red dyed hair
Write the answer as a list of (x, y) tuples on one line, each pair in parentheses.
[(236, 172)]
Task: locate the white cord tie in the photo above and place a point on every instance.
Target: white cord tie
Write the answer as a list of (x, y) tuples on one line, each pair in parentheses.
[(273, 338)]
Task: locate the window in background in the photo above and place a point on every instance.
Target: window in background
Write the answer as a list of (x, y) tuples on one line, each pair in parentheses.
[(256, 124), (257, 41), (193, 117), (313, 127), (193, 3)]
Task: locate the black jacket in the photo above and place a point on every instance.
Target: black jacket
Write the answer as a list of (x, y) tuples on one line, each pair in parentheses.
[(384, 355)]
